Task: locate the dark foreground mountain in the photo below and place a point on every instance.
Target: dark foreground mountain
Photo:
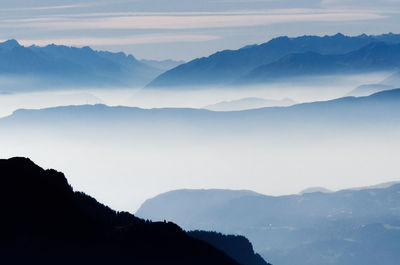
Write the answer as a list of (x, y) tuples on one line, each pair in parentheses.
[(341, 228), (45, 222), (55, 66), (225, 67), (237, 247)]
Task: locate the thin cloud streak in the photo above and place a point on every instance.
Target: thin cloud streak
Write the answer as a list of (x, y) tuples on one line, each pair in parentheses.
[(192, 21), (39, 8), (121, 41)]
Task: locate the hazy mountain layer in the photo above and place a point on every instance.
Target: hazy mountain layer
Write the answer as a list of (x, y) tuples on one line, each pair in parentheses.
[(346, 227), (313, 144), (53, 66), (373, 57), (344, 113), (225, 67)]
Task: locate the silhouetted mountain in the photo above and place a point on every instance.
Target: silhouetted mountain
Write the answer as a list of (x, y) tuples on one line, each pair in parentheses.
[(59, 66), (346, 227), (45, 222), (225, 67), (373, 57), (249, 103), (237, 247)]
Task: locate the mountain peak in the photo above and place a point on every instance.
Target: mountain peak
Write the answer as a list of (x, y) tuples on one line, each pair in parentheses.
[(9, 44)]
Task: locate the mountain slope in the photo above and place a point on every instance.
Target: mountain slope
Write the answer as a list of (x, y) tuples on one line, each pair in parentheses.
[(345, 227), (365, 90), (59, 66), (345, 114), (373, 57), (223, 68), (237, 247), (44, 221)]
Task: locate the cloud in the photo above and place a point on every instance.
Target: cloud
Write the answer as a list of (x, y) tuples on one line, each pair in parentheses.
[(46, 7), (121, 41), (192, 20)]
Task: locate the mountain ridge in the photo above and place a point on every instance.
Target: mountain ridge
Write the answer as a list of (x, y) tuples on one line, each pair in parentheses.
[(225, 67), (46, 221), (343, 227), (65, 66)]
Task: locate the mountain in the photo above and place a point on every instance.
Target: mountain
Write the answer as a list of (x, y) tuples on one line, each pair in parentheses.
[(163, 65), (225, 67), (345, 113), (378, 186), (366, 90), (237, 247), (62, 66), (249, 103), (214, 197), (44, 221), (373, 57), (345, 227)]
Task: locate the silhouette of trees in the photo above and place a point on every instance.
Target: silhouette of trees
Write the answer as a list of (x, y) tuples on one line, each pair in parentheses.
[(44, 221)]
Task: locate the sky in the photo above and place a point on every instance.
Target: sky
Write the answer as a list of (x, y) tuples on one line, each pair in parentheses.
[(187, 29)]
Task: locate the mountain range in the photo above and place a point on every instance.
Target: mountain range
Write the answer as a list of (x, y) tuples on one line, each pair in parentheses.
[(359, 135), (302, 55), (346, 227), (54, 66), (371, 58), (45, 222), (371, 112)]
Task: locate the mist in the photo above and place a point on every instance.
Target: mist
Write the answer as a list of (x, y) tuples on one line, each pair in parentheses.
[(31, 95), (139, 153)]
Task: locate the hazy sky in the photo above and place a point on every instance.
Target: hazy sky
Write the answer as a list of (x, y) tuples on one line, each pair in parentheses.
[(185, 29)]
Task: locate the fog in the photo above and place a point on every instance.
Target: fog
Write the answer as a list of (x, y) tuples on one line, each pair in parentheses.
[(30, 95), (123, 161), (125, 172)]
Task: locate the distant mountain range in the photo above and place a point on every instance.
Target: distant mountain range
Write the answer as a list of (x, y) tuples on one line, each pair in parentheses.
[(373, 57), (341, 228), (366, 114), (45, 222), (249, 103), (302, 56), (54, 66)]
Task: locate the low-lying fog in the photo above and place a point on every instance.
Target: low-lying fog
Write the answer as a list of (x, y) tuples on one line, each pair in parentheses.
[(309, 89), (123, 170)]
